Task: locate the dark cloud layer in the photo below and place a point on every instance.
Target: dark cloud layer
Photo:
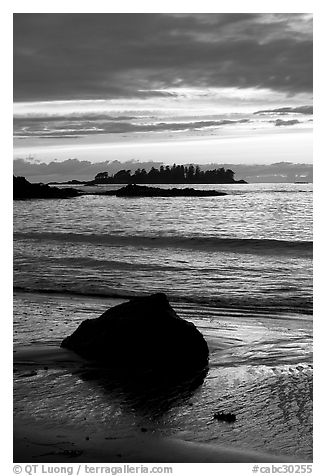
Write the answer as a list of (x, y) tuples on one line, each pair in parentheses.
[(291, 122), (288, 110), (42, 128), (88, 56)]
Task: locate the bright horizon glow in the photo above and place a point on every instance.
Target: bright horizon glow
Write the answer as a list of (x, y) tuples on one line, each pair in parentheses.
[(198, 100), (264, 148)]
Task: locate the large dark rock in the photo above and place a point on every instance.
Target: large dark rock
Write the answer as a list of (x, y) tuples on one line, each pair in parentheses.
[(144, 334), (23, 189)]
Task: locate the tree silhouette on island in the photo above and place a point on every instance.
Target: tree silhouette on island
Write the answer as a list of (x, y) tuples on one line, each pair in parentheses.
[(177, 174)]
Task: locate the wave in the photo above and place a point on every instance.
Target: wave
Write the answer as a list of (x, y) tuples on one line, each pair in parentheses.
[(98, 264), (269, 306), (199, 243)]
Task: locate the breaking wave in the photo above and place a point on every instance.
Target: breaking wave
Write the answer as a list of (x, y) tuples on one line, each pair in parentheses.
[(199, 243)]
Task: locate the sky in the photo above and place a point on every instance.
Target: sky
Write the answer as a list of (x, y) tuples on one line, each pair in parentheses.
[(218, 87)]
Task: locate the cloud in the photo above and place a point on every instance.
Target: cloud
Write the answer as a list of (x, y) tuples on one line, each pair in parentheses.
[(72, 168), (280, 122), (72, 116), (79, 126), (90, 56), (288, 110)]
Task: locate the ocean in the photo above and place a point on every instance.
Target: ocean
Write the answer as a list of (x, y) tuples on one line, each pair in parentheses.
[(238, 266)]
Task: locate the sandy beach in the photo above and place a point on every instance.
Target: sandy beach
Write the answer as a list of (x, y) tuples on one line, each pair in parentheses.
[(37, 441), (63, 445)]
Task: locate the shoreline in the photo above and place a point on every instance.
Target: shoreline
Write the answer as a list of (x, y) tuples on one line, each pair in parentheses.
[(36, 443)]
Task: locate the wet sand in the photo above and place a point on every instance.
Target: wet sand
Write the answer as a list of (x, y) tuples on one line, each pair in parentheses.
[(64, 445), (37, 442)]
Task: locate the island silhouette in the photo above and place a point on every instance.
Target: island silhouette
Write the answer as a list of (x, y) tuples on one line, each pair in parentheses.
[(177, 174)]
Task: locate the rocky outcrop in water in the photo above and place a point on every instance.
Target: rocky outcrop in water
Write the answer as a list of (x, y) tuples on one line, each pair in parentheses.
[(23, 189), (144, 334), (133, 190)]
